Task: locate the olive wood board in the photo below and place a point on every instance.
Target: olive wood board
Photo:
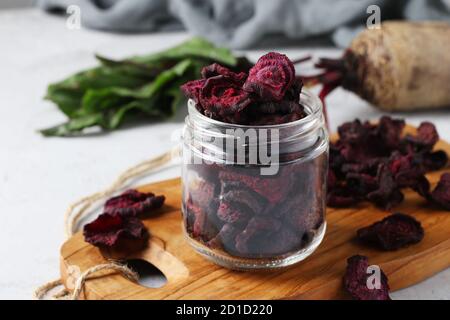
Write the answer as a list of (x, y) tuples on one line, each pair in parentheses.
[(190, 276)]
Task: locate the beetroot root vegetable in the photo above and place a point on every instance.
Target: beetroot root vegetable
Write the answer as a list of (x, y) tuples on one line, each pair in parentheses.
[(403, 66)]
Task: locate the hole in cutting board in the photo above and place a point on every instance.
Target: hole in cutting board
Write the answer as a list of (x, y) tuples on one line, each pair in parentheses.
[(149, 275)]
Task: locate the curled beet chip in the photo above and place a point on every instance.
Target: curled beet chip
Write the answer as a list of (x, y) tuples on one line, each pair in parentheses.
[(390, 131), (387, 194), (216, 69), (192, 89), (223, 95), (115, 231), (441, 194), (133, 203), (426, 137), (358, 284), (393, 232), (271, 77)]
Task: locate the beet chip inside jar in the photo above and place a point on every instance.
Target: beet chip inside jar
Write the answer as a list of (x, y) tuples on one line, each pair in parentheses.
[(255, 166)]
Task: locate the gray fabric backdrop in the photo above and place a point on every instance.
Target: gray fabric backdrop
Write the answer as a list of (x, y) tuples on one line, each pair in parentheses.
[(245, 23)]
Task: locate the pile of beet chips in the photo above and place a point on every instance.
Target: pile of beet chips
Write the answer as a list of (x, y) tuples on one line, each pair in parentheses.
[(267, 95), (374, 162), (120, 226), (247, 215)]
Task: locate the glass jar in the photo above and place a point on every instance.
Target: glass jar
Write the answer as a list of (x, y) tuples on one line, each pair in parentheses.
[(254, 197)]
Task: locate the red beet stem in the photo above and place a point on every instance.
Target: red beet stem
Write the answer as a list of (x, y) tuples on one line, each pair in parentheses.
[(301, 60), (331, 78)]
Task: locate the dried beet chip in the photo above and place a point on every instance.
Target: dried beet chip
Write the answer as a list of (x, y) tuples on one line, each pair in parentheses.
[(389, 132), (427, 136), (223, 95), (245, 198), (272, 188), (248, 242), (230, 213), (387, 195), (356, 281), (114, 231), (393, 232), (441, 194), (341, 197), (204, 225), (432, 161), (271, 76), (133, 203), (201, 193), (282, 242), (216, 69), (293, 93), (354, 132), (225, 239), (192, 89)]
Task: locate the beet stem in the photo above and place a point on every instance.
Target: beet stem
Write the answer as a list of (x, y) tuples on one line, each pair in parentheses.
[(332, 77), (301, 60)]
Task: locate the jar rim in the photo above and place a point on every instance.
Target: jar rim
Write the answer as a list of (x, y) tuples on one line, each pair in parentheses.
[(316, 108)]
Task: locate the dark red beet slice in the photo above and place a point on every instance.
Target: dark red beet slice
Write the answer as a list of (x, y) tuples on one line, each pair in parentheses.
[(393, 232), (282, 242), (112, 231), (427, 136), (271, 77), (230, 213), (204, 226), (273, 188), (222, 95), (133, 203), (216, 69), (192, 90), (356, 284), (259, 227), (441, 194), (225, 239)]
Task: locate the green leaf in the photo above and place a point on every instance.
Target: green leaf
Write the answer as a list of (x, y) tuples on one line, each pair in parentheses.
[(74, 125), (102, 99), (116, 118), (193, 48), (68, 94)]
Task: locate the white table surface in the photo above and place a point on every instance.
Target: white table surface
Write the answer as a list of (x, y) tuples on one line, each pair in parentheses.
[(40, 176)]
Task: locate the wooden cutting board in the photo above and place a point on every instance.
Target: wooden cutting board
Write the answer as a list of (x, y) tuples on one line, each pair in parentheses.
[(190, 276)]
